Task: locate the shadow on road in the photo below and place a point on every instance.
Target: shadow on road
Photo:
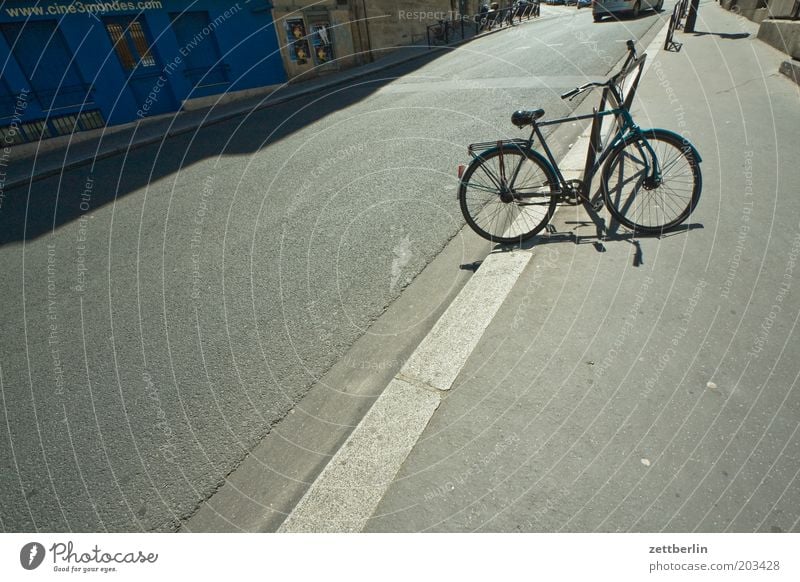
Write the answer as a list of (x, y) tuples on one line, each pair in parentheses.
[(598, 240), (724, 35), (38, 207)]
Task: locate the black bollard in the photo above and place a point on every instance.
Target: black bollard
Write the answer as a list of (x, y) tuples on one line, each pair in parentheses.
[(691, 16)]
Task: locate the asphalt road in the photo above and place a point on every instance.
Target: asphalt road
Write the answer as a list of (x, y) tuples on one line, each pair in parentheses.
[(165, 308)]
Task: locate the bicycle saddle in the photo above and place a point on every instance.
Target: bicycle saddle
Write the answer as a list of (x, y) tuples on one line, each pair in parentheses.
[(523, 118)]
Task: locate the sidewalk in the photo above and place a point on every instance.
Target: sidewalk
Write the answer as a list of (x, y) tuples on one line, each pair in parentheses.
[(622, 385), (54, 159)]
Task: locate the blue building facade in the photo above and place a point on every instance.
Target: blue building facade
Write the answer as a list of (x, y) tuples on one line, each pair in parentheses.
[(71, 66)]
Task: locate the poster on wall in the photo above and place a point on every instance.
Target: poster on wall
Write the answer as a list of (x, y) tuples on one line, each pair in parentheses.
[(321, 42), (296, 37)]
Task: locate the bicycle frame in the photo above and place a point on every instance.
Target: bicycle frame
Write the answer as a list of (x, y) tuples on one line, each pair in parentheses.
[(593, 163), (627, 128)]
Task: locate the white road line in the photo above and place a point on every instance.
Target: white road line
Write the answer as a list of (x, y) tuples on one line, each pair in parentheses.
[(350, 487), (444, 351)]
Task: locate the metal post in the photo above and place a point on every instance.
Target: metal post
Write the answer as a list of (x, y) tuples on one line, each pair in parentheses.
[(691, 16), (366, 24)]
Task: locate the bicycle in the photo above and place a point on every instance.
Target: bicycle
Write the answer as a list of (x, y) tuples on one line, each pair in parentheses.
[(493, 18), (440, 33), (650, 179), (508, 16)]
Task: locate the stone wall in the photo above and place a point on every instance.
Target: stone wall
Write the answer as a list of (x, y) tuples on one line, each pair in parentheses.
[(755, 10), (359, 31), (780, 8), (394, 23), (784, 35), (295, 22), (760, 10)]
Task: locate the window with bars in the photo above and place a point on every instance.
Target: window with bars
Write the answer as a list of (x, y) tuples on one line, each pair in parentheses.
[(130, 43), (44, 128), (25, 132)]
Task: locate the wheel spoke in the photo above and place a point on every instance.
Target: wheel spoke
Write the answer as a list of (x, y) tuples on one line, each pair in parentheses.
[(530, 195), (634, 196)]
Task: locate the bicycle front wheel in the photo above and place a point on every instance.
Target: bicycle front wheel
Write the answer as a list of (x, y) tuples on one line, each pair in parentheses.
[(507, 194), (652, 182)]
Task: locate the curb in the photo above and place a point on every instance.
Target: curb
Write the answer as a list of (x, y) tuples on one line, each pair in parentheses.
[(345, 78), (791, 69)]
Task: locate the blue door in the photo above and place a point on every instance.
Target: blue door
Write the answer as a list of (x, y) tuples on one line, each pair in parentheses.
[(146, 78), (204, 68), (46, 60)]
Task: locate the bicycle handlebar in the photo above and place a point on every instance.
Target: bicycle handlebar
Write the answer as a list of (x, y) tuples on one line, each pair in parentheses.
[(578, 90), (573, 93), (626, 68)]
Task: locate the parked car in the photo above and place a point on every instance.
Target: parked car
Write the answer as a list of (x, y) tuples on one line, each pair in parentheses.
[(602, 8), (584, 3)]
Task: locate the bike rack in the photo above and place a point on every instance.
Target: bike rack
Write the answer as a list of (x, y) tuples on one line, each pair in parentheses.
[(608, 95), (675, 23), (669, 43), (628, 98)]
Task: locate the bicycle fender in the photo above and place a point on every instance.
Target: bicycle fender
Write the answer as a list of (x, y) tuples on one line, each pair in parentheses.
[(542, 159), (686, 142), (529, 151)]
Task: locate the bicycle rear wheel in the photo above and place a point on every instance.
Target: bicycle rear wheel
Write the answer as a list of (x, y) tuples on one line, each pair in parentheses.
[(507, 194), (640, 199)]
